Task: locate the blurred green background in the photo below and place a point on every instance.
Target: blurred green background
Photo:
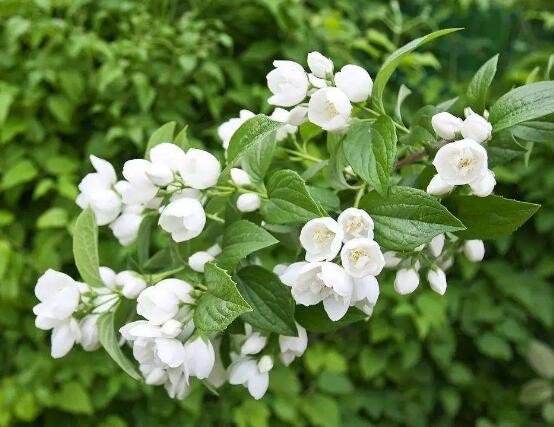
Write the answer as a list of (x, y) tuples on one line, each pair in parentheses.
[(97, 76)]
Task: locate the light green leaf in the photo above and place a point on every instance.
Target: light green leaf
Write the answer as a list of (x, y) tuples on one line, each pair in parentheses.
[(52, 218), (222, 302), (110, 342), (395, 59), (73, 398), (479, 85), (522, 104), (535, 392), (85, 248), (241, 239), (403, 93), (162, 134), (490, 217), (541, 359), (20, 173), (542, 132), (407, 218), (494, 346), (272, 304), (289, 201), (370, 148), (253, 132)]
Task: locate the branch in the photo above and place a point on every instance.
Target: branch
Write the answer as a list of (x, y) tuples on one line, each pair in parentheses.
[(412, 158)]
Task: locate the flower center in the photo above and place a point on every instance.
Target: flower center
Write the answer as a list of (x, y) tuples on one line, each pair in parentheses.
[(331, 108), (323, 236), (354, 225)]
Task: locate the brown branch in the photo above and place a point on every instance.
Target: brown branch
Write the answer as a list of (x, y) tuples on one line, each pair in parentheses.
[(412, 158)]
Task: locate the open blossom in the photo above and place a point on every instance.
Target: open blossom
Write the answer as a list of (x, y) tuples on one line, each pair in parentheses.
[(446, 125), (437, 280), (288, 82), (476, 127), (461, 162), (184, 219), (283, 116), (226, 130), (125, 228), (252, 374), (330, 109), (365, 292), (166, 159), (474, 250), (362, 257), (199, 357), (355, 82), (406, 281), (200, 169), (161, 302), (97, 192), (320, 65), (322, 239), (293, 347), (355, 223), (248, 202)]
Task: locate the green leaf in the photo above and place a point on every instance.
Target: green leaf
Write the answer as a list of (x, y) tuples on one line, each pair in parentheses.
[(490, 217), (253, 132), (315, 319), (73, 398), (52, 218), (542, 132), (272, 304), (257, 160), (289, 201), (541, 359), (395, 59), (522, 104), (181, 139), (370, 148), (494, 346), (241, 239), (20, 173), (403, 93), (327, 199), (222, 302), (144, 236), (110, 341), (162, 134), (479, 85), (535, 392), (85, 248), (407, 218)]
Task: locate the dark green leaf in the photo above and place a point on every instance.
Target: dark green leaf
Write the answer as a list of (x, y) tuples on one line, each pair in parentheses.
[(315, 319), (479, 85), (163, 134)]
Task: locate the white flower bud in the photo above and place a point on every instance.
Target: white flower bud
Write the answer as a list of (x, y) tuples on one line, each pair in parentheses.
[(362, 257), (485, 186), (58, 295), (288, 82), (171, 328), (265, 364), (293, 347), (356, 223), (330, 109), (184, 219), (446, 125), (200, 169), (391, 259), (406, 281), (320, 65), (89, 333), (254, 343), (438, 187), (474, 250), (240, 178), (198, 260), (355, 82), (168, 155), (133, 287), (159, 174), (138, 189), (298, 115), (125, 228), (437, 280), (476, 127), (108, 277), (321, 238), (158, 304), (248, 202), (436, 245), (461, 162), (199, 357)]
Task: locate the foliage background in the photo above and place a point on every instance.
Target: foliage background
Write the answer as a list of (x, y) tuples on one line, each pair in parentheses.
[(84, 76)]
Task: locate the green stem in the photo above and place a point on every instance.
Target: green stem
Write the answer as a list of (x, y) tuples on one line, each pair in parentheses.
[(215, 217), (376, 114), (359, 195), (303, 155)]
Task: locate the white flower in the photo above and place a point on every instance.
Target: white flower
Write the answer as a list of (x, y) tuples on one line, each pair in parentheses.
[(298, 115), (437, 280), (218, 376), (199, 357), (170, 351), (125, 228), (436, 245), (131, 284), (166, 159), (254, 341), (226, 130), (438, 187), (283, 116), (160, 303), (476, 127), (355, 223), (64, 336), (461, 162), (365, 292), (355, 82), (329, 108), (474, 250), (293, 347), (320, 65), (59, 297), (316, 82), (240, 178), (406, 281), (96, 192), (198, 260), (322, 239), (186, 193), (248, 202), (177, 384), (391, 259), (362, 257), (200, 169), (184, 219), (485, 186), (138, 188), (89, 332), (446, 125), (246, 371), (288, 82)]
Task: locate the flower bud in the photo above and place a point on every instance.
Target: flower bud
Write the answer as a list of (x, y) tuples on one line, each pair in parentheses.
[(475, 127), (391, 259), (446, 125), (438, 187), (406, 281), (436, 245), (159, 174), (355, 82), (248, 202), (89, 332), (484, 187), (171, 328), (437, 280), (319, 65), (240, 178), (199, 357), (184, 219), (198, 260), (254, 343), (298, 115), (200, 169), (288, 83), (265, 364), (474, 250), (133, 287)]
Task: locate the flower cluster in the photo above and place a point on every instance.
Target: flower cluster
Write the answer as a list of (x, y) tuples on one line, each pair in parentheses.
[(170, 181), (464, 161), (319, 279)]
